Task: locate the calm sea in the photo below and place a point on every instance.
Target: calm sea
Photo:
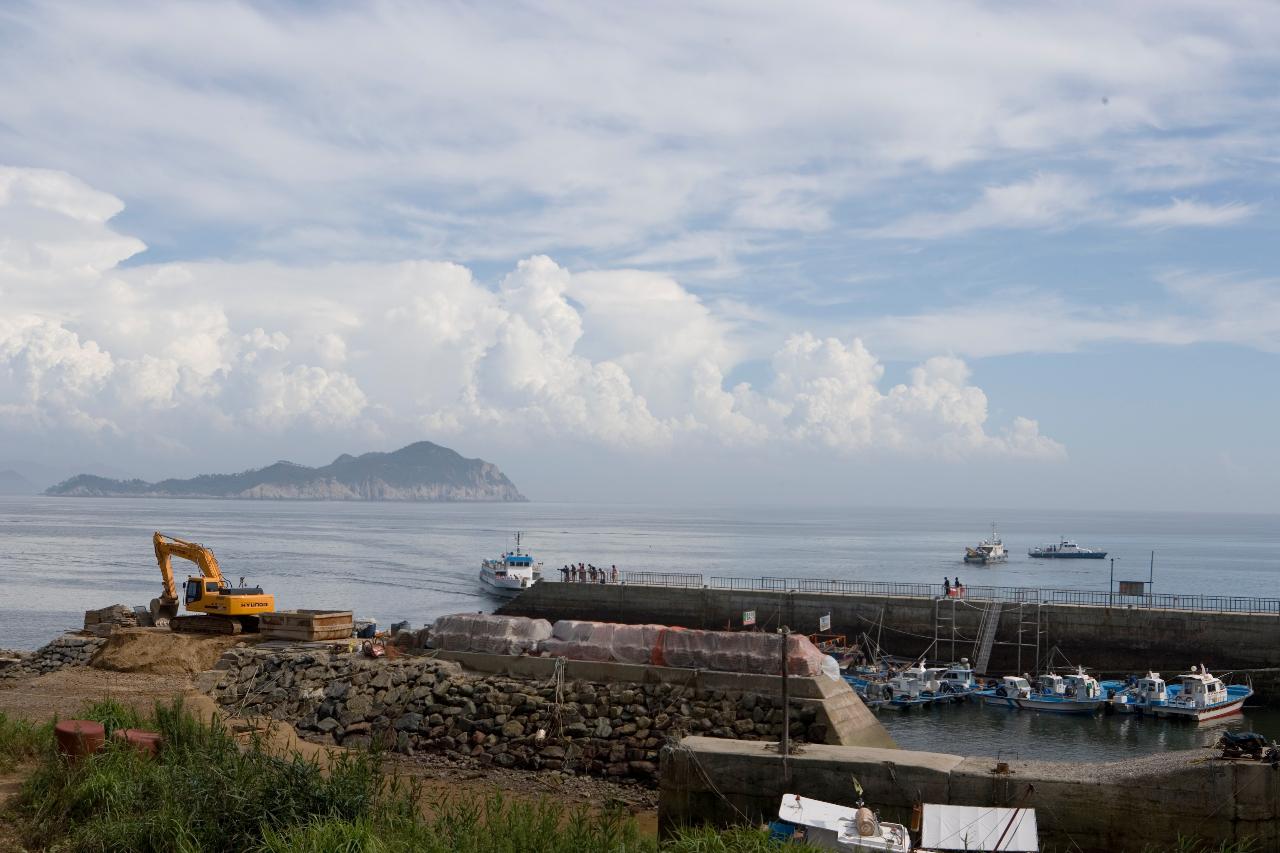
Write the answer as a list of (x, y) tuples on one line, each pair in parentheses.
[(393, 561)]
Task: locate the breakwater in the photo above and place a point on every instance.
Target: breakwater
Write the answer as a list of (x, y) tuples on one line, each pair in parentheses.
[(605, 719), (1123, 638)]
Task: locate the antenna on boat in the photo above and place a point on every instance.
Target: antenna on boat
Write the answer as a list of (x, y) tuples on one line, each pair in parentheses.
[(517, 542)]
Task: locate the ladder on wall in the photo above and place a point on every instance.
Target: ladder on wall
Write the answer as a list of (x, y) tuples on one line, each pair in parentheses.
[(986, 637)]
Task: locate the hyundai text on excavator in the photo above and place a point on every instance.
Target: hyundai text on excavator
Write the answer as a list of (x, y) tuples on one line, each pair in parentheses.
[(227, 609)]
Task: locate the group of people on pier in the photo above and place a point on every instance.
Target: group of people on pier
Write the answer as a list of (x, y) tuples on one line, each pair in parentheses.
[(953, 590), (587, 573)]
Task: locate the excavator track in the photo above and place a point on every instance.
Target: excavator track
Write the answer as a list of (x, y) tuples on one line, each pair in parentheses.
[(205, 625)]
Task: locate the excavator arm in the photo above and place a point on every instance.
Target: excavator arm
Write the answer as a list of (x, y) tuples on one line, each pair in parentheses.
[(168, 547)]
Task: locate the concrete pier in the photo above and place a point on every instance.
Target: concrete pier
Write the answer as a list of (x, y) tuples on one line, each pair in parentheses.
[(1135, 805), (1108, 640)]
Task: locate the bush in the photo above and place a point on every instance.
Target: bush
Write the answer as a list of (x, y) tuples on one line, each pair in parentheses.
[(20, 740)]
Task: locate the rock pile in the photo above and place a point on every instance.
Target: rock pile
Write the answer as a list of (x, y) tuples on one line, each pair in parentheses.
[(67, 650), (417, 704), (103, 621)]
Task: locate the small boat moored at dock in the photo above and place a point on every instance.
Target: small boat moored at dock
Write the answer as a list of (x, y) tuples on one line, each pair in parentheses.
[(1007, 693), (1077, 693), (1142, 695), (1202, 697), (511, 573), (828, 826)]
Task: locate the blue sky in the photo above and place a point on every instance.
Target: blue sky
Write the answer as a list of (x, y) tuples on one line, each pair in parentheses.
[(952, 252)]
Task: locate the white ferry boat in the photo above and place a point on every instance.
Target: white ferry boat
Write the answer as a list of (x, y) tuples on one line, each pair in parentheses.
[(511, 573), (988, 550), (1201, 697)]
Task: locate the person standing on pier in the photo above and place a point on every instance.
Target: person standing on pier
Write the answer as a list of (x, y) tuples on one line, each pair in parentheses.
[(614, 574), (946, 586), (564, 572)]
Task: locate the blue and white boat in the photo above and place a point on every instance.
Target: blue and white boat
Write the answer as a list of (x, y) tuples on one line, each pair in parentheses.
[(1007, 693), (511, 573), (1077, 693), (955, 682), (1143, 695), (1203, 697)]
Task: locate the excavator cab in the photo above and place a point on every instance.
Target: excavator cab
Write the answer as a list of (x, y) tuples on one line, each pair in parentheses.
[(228, 609)]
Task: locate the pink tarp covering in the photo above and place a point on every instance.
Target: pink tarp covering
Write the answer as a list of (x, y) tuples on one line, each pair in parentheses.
[(726, 651), (498, 635)]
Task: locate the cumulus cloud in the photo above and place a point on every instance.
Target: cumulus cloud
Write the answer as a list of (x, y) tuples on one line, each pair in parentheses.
[(616, 358)]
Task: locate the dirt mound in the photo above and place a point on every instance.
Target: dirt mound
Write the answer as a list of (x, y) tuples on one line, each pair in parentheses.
[(161, 651)]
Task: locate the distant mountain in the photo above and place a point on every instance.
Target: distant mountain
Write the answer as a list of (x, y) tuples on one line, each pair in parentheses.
[(420, 472), (13, 483)]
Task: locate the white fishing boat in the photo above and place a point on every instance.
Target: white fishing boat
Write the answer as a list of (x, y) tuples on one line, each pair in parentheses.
[(1007, 693), (511, 573), (1077, 693), (1142, 696), (1201, 697), (955, 681)]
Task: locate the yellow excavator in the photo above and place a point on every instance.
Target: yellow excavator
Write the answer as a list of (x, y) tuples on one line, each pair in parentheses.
[(228, 609)]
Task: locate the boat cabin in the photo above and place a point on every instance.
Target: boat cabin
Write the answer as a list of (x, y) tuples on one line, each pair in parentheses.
[(1015, 687), (1050, 684), (1151, 688), (1078, 685), (1199, 689)]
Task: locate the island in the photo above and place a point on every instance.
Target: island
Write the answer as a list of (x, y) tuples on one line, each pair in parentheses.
[(420, 472)]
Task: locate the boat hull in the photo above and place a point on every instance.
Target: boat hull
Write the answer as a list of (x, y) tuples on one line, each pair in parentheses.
[(1224, 709), (505, 587), (1044, 555), (1061, 706)]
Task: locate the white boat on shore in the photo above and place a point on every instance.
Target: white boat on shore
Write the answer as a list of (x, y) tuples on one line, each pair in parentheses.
[(511, 573), (1201, 697), (1142, 696)]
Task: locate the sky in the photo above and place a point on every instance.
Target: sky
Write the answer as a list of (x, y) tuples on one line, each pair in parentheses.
[(927, 254)]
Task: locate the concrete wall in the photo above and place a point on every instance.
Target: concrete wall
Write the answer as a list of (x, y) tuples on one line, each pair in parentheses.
[(1107, 640), (1134, 805)]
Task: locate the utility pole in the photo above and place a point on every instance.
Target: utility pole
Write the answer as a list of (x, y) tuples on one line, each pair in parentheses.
[(784, 743), (1111, 587), (1151, 579)]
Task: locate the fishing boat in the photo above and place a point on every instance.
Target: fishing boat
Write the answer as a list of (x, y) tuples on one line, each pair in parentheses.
[(1065, 550), (1201, 696), (1142, 695), (988, 550), (1007, 693), (511, 573), (1076, 693), (955, 682)]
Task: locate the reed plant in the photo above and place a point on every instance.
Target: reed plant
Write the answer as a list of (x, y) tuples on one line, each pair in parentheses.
[(21, 740)]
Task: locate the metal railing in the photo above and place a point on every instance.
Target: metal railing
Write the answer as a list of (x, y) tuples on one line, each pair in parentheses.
[(1003, 594), (662, 579)]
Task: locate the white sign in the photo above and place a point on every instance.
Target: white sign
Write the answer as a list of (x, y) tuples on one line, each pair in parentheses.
[(824, 623), (748, 618)]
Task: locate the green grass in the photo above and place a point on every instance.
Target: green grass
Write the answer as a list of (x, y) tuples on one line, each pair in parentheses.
[(21, 740)]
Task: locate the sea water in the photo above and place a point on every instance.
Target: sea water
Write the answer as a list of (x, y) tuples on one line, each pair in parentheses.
[(399, 561)]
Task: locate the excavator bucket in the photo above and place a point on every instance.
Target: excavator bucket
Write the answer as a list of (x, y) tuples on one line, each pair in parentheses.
[(162, 610)]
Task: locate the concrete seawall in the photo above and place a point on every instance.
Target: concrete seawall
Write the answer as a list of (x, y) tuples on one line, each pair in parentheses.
[(1136, 805), (1106, 639)]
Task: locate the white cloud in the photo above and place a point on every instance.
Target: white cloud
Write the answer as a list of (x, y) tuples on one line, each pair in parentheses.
[(1183, 212), (1043, 201), (501, 133), (614, 358)]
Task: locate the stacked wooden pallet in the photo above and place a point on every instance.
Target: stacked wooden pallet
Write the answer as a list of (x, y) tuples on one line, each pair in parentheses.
[(307, 625)]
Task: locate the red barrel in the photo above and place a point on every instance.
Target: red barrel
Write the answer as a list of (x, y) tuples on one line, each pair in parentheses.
[(148, 743), (78, 738)]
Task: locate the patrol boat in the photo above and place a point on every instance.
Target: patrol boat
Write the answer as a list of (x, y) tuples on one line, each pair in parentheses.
[(1065, 550), (511, 573)]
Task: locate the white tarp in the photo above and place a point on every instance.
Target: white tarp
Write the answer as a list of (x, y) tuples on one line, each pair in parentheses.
[(978, 828)]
